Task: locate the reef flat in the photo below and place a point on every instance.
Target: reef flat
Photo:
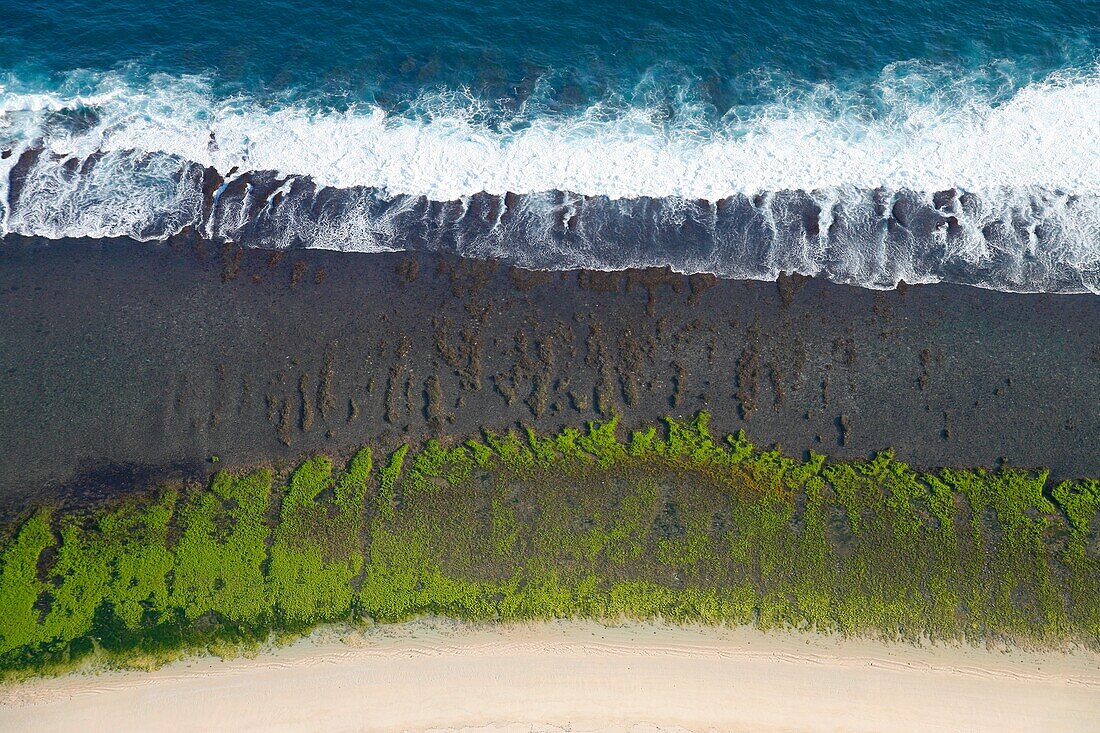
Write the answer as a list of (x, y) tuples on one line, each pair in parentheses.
[(127, 363), (666, 522)]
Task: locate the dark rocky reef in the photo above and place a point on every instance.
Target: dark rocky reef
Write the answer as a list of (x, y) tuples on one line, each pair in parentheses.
[(147, 360)]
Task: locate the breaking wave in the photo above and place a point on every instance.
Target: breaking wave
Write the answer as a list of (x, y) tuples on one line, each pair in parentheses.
[(917, 180)]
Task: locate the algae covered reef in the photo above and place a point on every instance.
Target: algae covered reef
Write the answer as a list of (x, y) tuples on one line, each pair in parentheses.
[(667, 522)]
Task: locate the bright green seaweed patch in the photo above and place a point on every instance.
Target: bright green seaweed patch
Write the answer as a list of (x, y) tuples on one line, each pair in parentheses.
[(671, 523), (21, 589), (221, 552), (316, 554)]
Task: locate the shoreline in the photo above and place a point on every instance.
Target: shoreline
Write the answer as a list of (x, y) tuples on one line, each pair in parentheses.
[(440, 675)]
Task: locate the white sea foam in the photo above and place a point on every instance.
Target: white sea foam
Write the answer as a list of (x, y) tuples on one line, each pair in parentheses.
[(1032, 159), (1046, 134), (129, 195)]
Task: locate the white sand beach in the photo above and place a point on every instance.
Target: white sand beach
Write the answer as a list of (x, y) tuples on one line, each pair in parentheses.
[(577, 676)]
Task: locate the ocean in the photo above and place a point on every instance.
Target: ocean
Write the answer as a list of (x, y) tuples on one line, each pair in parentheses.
[(868, 143)]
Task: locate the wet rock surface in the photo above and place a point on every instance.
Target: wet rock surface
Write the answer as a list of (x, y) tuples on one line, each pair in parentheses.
[(125, 363)]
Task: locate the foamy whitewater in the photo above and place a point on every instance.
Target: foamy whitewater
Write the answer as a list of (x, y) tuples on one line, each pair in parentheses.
[(931, 183)]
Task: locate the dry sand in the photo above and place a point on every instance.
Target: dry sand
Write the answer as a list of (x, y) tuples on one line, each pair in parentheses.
[(572, 676)]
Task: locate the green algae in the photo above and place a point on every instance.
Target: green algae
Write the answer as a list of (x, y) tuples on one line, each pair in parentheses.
[(316, 553), (21, 588), (222, 550), (671, 523)]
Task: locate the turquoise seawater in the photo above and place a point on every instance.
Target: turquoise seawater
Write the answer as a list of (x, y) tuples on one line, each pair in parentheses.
[(868, 142)]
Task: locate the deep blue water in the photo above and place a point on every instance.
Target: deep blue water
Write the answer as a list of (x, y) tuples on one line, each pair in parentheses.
[(732, 53), (621, 127), (387, 51)]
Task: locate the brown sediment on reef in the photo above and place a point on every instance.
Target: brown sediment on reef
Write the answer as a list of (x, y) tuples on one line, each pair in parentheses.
[(126, 361)]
